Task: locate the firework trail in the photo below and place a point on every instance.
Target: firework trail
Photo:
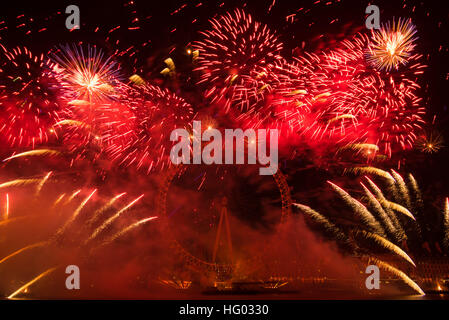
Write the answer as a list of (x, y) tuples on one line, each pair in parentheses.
[(97, 214), (372, 170), (329, 226), (360, 147), (56, 242), (384, 243), (126, 230), (73, 195), (6, 215), (383, 216), (58, 200), (398, 208), (75, 214), (358, 208), (402, 188), (416, 191), (26, 285), (71, 122), (398, 273), (31, 246), (382, 200), (109, 221), (11, 220)]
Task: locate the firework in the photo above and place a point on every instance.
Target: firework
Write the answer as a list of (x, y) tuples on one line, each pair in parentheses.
[(29, 247), (85, 73), (392, 44), (404, 233), (29, 98), (93, 116), (233, 55), (156, 113), (337, 98), (57, 240), (430, 143)]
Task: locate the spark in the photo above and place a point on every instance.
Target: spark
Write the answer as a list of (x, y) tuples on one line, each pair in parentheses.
[(26, 285)]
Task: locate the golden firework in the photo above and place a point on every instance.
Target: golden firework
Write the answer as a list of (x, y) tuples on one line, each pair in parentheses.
[(392, 45)]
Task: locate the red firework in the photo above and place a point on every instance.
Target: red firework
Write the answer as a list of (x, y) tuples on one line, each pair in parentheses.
[(92, 117), (339, 98), (29, 98), (89, 131), (233, 58), (86, 73), (156, 112)]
